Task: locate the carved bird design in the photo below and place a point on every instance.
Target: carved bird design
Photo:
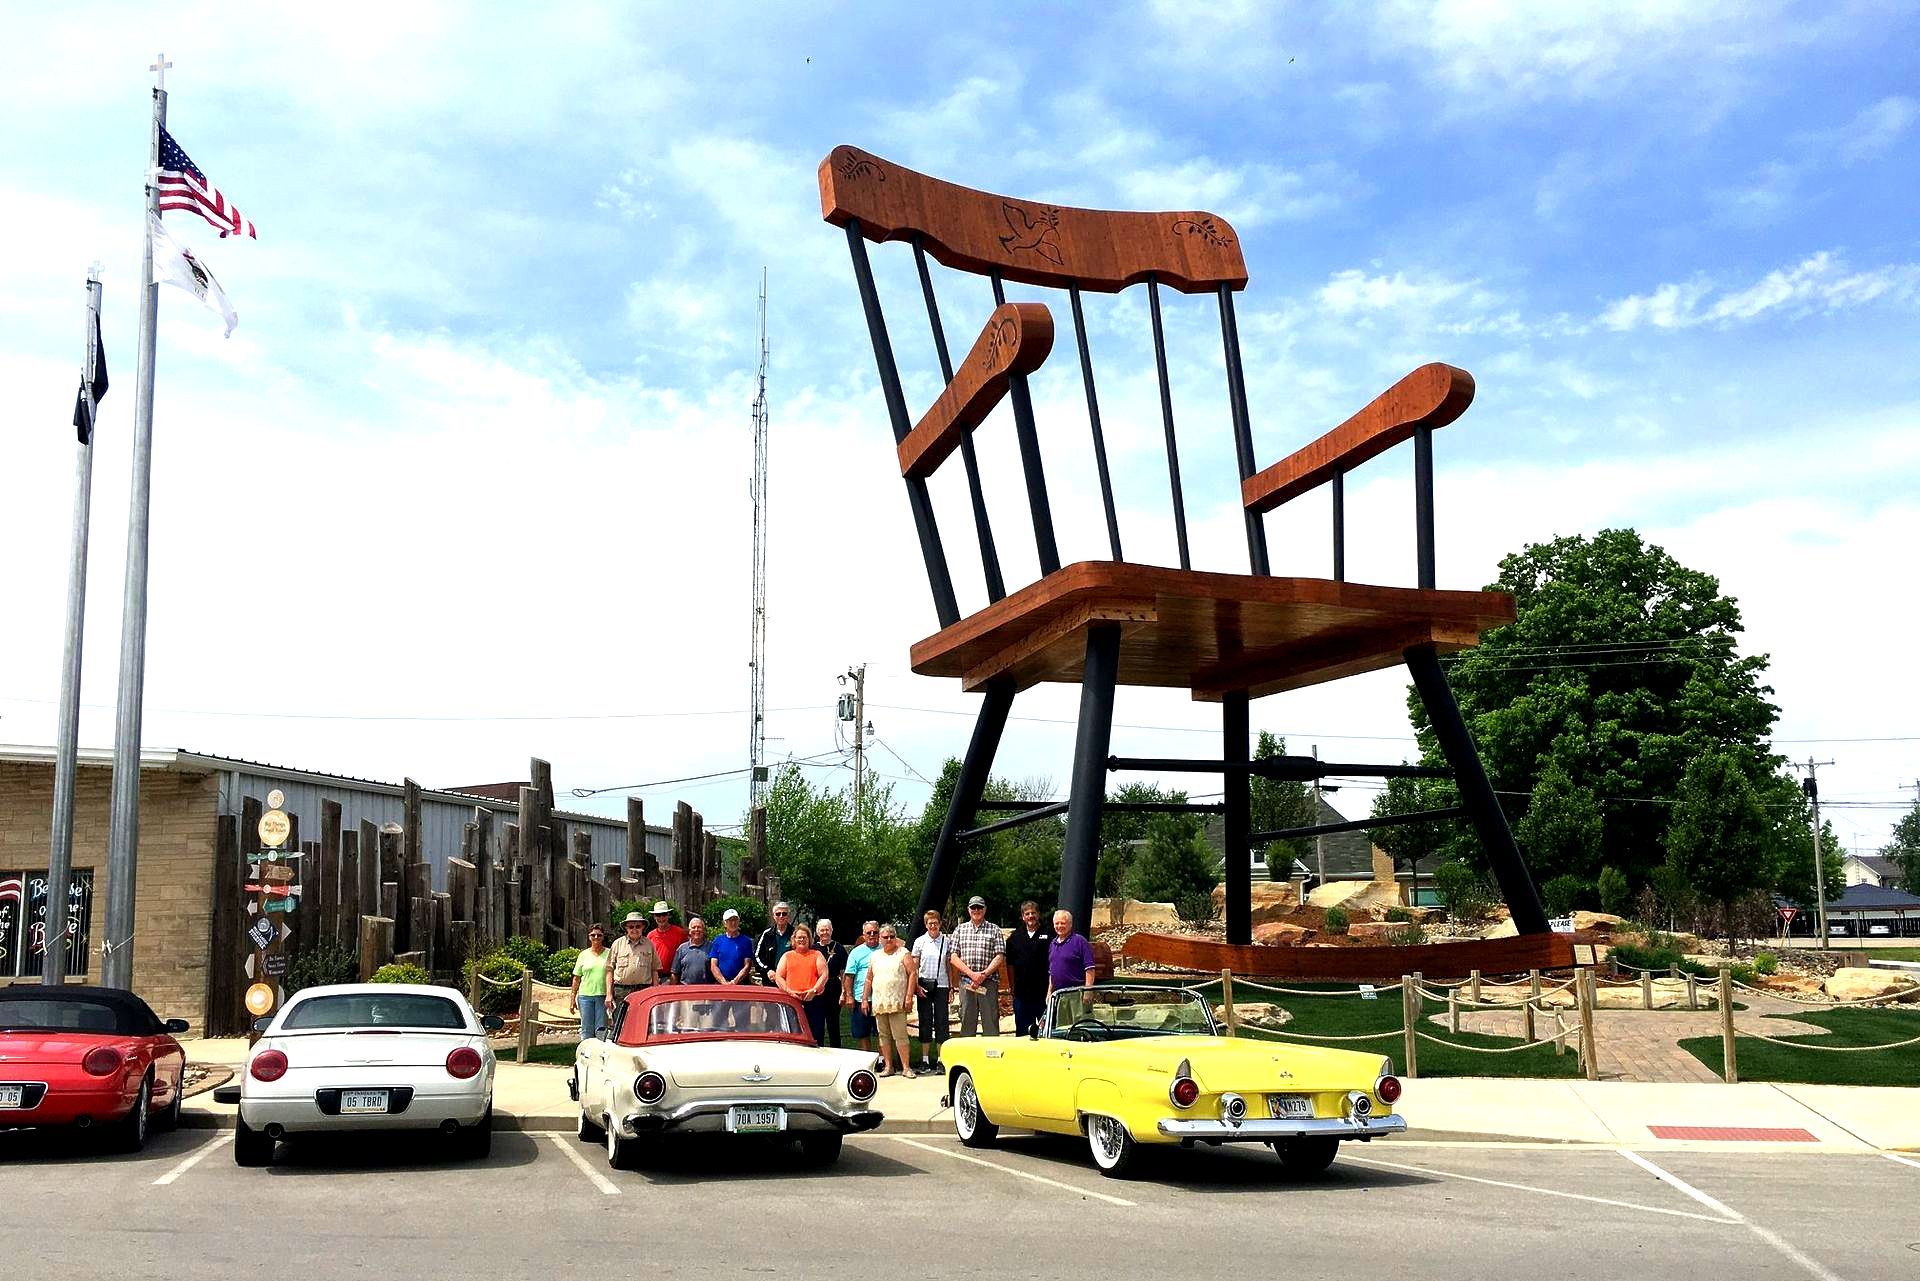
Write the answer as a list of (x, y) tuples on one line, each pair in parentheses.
[(1032, 233)]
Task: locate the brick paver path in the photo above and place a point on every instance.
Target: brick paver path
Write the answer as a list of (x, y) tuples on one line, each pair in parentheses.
[(1643, 1045)]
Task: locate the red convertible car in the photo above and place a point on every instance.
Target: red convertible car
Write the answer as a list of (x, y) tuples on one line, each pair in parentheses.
[(88, 1057)]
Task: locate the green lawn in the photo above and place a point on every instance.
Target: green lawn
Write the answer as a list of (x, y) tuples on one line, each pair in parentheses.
[(1883, 953), (1763, 1061)]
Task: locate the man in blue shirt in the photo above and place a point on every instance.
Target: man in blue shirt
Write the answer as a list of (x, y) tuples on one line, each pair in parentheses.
[(731, 952), (853, 984)]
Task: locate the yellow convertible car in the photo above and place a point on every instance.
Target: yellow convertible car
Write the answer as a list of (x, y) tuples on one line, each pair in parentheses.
[(1129, 1065)]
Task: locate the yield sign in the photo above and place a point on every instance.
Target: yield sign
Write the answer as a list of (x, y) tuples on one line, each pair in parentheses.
[(1787, 914)]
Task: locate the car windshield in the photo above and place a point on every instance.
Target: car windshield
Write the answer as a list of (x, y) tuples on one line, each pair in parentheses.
[(364, 1010), (1116, 1013), (77, 1015), (741, 1015)]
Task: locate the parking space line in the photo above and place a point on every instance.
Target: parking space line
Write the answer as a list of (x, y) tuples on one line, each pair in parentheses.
[(1007, 1169), (1772, 1238), (1528, 1187), (1903, 1160), (599, 1180), (193, 1158)]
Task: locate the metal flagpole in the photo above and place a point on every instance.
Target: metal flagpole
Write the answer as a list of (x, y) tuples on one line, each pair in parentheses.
[(116, 946), (60, 852)]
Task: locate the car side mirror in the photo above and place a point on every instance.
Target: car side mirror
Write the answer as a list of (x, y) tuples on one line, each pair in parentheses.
[(175, 1025), (492, 1022), (262, 1023)]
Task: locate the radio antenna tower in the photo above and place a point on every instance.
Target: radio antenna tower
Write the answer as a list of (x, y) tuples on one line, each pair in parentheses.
[(757, 703)]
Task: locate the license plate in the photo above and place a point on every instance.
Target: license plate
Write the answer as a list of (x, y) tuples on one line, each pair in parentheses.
[(1289, 1107), (363, 1101), (13, 1096), (767, 1120)]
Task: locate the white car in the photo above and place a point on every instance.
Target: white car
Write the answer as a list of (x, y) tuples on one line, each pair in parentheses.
[(723, 1061), (368, 1056)]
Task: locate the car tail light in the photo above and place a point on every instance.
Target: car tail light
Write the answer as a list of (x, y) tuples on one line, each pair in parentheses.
[(1388, 1088), (648, 1087), (862, 1084), (268, 1065), (1185, 1091), (102, 1060), (463, 1062)]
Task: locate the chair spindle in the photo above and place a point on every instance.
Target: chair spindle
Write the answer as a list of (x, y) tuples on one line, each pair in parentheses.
[(1423, 503), (1029, 439), (1339, 527), (1242, 427), (1093, 418), (1166, 419)]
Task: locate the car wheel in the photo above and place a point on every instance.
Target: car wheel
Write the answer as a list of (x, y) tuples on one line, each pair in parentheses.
[(130, 1134), (251, 1147), (620, 1151), (820, 1149), (476, 1141), (1113, 1148), (969, 1122), (1305, 1156), (170, 1119), (587, 1130)]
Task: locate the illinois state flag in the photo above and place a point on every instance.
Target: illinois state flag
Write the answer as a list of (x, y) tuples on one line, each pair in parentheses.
[(175, 264)]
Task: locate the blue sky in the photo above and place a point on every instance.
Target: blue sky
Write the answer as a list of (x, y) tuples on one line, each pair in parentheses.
[(479, 448)]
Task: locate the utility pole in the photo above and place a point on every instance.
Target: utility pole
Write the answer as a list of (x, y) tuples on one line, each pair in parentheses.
[(757, 705), (1811, 785), (856, 704), (1319, 841)]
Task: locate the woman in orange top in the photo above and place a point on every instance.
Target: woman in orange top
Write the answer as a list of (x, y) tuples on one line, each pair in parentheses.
[(802, 972)]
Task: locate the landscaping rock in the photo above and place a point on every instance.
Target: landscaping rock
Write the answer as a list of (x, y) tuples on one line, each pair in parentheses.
[(1272, 900), (1255, 1014), (1853, 984), (1373, 931), (1801, 985), (1603, 923), (1505, 929), (1280, 934), (1356, 896), (1127, 911)]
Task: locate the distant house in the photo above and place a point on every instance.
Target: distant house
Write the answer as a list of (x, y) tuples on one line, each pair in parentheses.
[(1862, 911), (1342, 856), (1872, 869)]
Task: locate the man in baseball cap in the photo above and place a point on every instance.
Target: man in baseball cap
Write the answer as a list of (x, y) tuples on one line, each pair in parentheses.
[(979, 954)]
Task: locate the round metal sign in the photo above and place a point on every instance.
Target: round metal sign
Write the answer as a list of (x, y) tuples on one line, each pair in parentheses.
[(260, 999), (276, 798), (275, 828)]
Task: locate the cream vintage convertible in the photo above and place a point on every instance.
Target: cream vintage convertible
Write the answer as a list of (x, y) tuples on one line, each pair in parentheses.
[(719, 1060), (1131, 1065)]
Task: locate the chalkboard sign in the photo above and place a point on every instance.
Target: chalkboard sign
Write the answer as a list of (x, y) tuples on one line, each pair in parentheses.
[(12, 888)]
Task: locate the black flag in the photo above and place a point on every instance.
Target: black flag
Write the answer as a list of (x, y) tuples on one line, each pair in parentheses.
[(82, 419)]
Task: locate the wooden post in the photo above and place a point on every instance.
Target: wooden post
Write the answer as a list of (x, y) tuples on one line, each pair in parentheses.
[(526, 1015), (1453, 1010), (1533, 1000), (329, 919), (533, 852), (636, 835), (473, 989), (1474, 990), (228, 947), (369, 893), (1729, 1054), (710, 859), (1693, 991), (350, 888), (1410, 1018), (376, 944), (1589, 1048), (489, 886), (460, 881), (410, 822), (420, 929), (1646, 990), (682, 838), (1226, 1001)]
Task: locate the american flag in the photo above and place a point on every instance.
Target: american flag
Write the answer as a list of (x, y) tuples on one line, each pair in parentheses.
[(183, 186)]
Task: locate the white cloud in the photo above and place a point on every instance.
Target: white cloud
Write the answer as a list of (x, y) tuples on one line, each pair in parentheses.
[(1354, 291), (1819, 283), (1874, 131)]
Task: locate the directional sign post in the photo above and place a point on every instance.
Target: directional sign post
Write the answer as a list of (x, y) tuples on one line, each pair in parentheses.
[(274, 890)]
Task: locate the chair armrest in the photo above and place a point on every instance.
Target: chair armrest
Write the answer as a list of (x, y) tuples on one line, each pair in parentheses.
[(1431, 396), (1016, 339)]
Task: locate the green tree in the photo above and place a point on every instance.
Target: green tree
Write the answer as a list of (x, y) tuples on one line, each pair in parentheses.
[(1721, 836), (1278, 804), (1563, 893), (1122, 834), (1561, 831), (1904, 848), (832, 862), (1175, 861), (1621, 668), (1615, 893), (1410, 844), (1004, 868)]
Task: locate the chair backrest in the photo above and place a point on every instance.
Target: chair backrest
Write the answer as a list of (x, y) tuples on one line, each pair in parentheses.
[(1034, 243)]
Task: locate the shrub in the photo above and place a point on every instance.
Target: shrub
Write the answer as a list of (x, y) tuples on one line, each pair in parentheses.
[(1659, 952), (1399, 915), (559, 967), (753, 913), (321, 962), (1176, 860), (1408, 935), (529, 953), (1615, 895), (1463, 891), (401, 974), (501, 968), (1194, 907), (1765, 963), (1562, 892), (1337, 920), (1742, 973)]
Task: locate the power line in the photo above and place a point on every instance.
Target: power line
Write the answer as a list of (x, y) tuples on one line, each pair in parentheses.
[(352, 716), (691, 778)]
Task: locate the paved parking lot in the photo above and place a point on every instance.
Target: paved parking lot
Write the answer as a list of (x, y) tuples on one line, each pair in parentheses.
[(544, 1203)]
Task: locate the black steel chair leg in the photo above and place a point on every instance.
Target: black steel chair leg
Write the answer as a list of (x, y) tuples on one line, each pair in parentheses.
[(1089, 794), (975, 768), (1237, 869), (1476, 792)]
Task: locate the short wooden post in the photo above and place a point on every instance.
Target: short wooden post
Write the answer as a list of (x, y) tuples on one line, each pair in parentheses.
[(1474, 986), (526, 1014), (1453, 1010), (1533, 999), (473, 987), (1729, 1056), (376, 944), (1410, 1017), (1589, 1049), (1693, 992), (1226, 1001), (1646, 989)]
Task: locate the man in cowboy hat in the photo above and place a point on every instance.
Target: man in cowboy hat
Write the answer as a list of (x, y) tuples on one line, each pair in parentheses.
[(665, 936), (633, 965)]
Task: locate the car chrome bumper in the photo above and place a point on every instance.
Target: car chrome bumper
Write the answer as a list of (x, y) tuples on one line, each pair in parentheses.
[(709, 1116), (1255, 1130)]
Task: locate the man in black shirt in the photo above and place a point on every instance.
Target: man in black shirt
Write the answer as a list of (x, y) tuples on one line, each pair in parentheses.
[(1026, 958)]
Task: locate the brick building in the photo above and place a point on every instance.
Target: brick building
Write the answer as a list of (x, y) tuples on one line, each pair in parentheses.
[(182, 797)]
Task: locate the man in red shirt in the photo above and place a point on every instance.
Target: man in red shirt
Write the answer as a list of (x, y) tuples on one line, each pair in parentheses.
[(665, 936)]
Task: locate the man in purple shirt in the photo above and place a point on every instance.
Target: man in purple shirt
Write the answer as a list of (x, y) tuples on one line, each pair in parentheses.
[(1069, 956)]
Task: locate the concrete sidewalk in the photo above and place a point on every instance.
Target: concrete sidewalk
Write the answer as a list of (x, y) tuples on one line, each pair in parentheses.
[(1749, 1116)]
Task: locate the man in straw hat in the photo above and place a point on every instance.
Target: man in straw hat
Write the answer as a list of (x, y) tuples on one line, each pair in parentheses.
[(633, 965)]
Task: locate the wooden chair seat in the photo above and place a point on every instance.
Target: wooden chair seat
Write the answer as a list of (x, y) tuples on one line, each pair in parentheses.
[(1212, 634)]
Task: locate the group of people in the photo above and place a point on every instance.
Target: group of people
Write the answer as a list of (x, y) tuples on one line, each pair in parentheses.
[(880, 979)]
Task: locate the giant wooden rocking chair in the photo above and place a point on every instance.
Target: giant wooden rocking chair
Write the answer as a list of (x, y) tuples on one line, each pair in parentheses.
[(1224, 637)]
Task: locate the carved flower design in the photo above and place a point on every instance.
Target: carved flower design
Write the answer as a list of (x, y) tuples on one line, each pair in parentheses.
[(858, 164), (1204, 228)]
